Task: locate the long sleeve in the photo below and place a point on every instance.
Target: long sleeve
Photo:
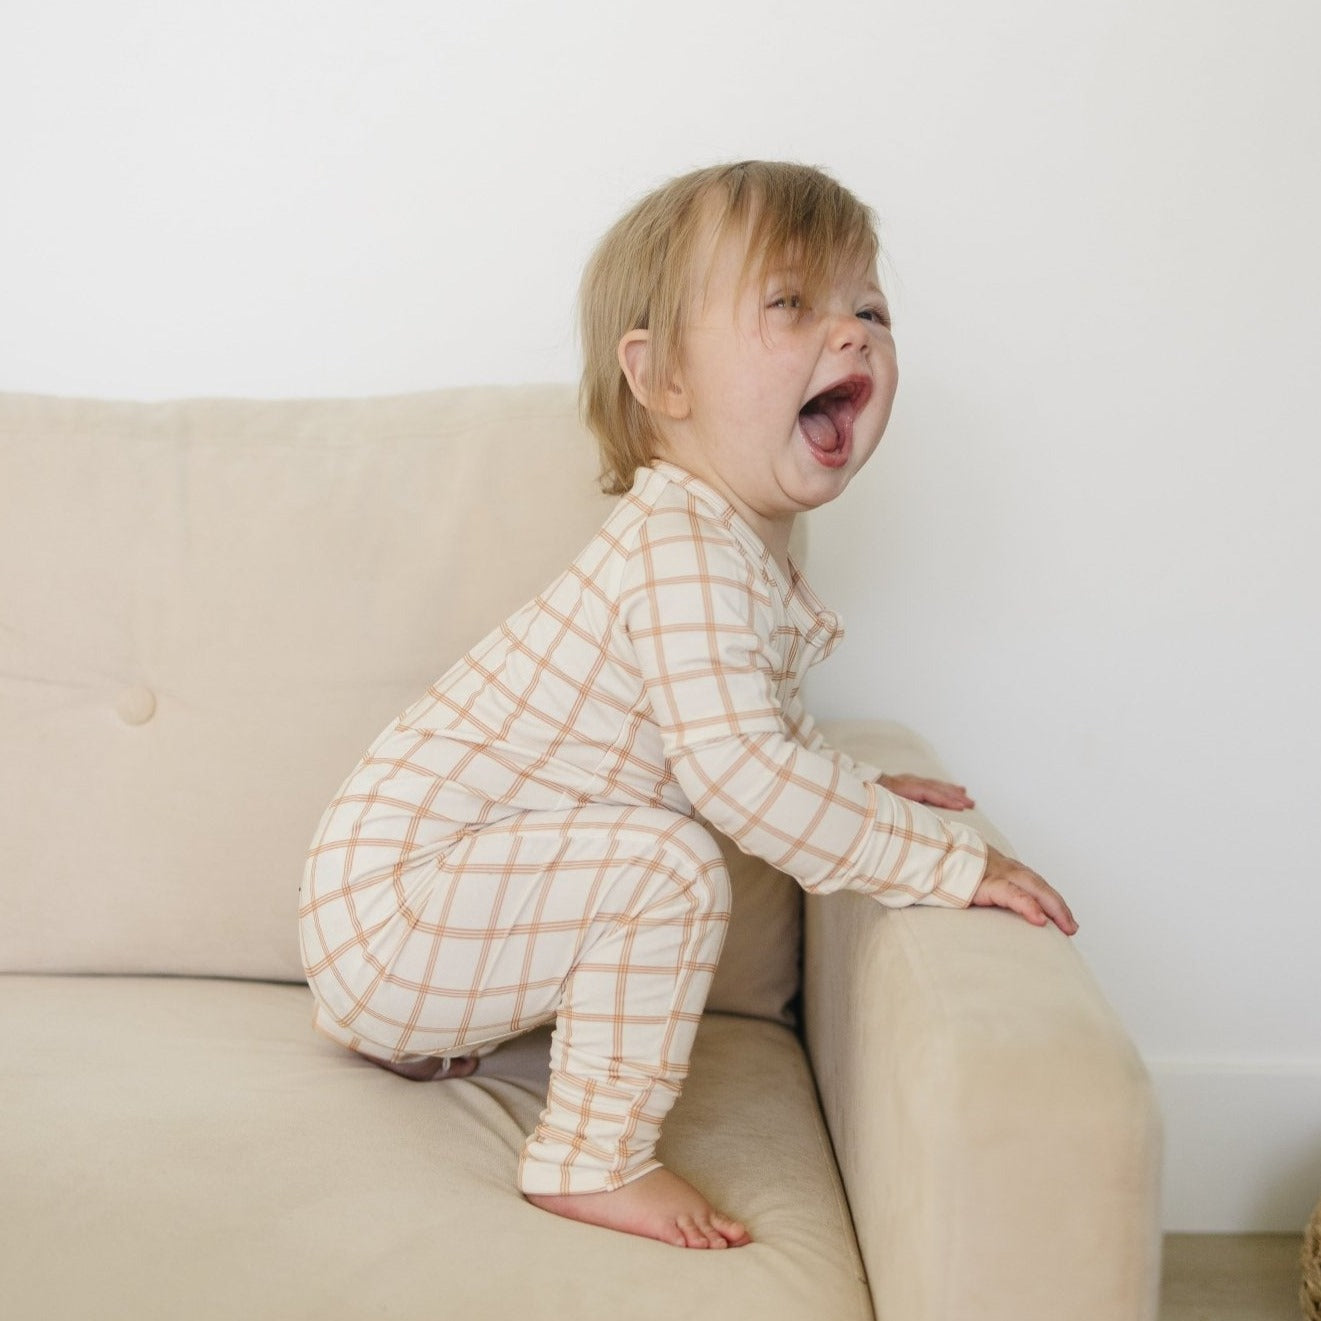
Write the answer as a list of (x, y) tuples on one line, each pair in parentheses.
[(803, 729), (713, 658)]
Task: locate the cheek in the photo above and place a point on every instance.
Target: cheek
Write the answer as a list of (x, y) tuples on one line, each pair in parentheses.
[(738, 391), (887, 380), (890, 385), (887, 360), (719, 377)]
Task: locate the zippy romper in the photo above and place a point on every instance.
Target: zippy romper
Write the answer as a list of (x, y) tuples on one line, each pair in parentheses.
[(522, 845)]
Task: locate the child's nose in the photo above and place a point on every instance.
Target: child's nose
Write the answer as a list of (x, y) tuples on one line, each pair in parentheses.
[(847, 332)]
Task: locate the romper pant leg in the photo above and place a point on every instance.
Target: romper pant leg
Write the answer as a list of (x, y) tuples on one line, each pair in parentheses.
[(609, 920), (631, 1004)]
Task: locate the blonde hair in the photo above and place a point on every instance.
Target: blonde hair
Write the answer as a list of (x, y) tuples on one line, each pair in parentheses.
[(642, 277)]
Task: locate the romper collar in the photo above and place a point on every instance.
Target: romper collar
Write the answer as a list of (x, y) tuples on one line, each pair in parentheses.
[(820, 627)]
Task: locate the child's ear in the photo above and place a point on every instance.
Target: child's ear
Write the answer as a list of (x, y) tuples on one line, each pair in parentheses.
[(670, 400)]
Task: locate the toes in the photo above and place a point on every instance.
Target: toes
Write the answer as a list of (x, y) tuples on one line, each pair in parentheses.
[(426, 1069), (705, 1235), (714, 1238), (710, 1236), (692, 1234), (733, 1231), (718, 1232)]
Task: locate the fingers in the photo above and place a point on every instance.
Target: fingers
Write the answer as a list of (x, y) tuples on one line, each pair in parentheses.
[(953, 796), (1052, 902), (936, 793), (1044, 901), (1008, 884), (1023, 903)]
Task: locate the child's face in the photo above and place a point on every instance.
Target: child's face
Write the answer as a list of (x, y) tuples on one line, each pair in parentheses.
[(781, 403)]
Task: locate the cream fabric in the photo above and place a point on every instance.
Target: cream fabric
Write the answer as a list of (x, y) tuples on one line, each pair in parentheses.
[(202, 627), (175, 1149), (210, 609), (608, 920), (517, 844), (662, 669), (995, 1128)]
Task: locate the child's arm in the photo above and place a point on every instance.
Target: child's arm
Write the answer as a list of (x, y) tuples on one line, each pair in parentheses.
[(701, 629), (1006, 884), (919, 788), (804, 729)]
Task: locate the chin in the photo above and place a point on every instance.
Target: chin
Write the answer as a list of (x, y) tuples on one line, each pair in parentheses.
[(819, 489), (827, 471)]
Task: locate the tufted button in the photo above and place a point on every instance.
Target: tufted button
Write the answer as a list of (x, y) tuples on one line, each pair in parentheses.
[(136, 705)]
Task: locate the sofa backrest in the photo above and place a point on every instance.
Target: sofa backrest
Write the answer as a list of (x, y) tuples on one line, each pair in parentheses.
[(208, 609)]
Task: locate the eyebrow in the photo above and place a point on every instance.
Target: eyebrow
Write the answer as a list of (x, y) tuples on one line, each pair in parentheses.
[(789, 272)]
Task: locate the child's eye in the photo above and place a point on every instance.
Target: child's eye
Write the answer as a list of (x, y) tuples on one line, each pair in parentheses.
[(879, 315), (789, 302)]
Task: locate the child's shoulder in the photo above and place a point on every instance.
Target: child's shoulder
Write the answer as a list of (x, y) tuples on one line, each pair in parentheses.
[(670, 528), (669, 508)]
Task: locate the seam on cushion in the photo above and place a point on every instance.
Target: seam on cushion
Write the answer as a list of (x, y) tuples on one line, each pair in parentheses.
[(944, 1206), (842, 1210), (108, 431)]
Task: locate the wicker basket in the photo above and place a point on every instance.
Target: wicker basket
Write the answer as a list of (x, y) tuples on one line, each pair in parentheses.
[(1309, 1294)]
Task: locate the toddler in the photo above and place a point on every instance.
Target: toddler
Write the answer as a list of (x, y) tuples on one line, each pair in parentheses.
[(523, 845)]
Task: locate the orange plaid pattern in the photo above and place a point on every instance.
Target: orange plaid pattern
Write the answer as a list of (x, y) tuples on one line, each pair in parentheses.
[(520, 845)]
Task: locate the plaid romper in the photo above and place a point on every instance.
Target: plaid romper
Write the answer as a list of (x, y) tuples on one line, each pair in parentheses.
[(521, 845)]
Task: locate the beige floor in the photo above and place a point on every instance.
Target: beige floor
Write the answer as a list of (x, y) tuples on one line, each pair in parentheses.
[(1223, 1277)]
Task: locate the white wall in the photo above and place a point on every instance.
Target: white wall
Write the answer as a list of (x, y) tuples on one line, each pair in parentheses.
[(1085, 562)]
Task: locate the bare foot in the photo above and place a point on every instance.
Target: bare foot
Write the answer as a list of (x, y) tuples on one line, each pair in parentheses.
[(658, 1205), (426, 1070)]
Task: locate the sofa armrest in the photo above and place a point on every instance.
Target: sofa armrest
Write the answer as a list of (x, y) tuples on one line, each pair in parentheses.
[(995, 1129)]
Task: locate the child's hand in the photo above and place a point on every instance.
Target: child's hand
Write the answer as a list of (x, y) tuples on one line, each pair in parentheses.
[(922, 790), (1008, 884)]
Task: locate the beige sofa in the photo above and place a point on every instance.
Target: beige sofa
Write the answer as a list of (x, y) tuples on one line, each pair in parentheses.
[(207, 610)]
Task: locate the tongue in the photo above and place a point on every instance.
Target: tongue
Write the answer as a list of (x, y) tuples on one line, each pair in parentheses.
[(820, 430)]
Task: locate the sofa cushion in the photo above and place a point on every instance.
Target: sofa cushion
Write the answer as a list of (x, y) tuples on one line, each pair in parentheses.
[(184, 1148), (208, 609)]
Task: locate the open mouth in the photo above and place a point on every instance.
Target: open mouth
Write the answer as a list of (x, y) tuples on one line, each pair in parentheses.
[(826, 420)]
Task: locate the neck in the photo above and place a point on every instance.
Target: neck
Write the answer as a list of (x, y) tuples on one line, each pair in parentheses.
[(777, 541), (773, 532)]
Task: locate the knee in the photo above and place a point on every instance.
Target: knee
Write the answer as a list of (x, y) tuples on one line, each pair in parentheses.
[(698, 866), (659, 860)]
